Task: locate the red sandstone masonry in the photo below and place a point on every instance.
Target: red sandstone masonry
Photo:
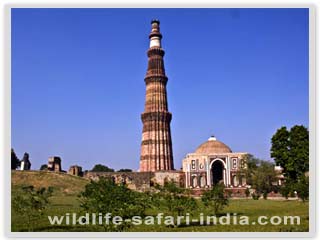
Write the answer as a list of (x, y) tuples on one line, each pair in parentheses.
[(156, 145)]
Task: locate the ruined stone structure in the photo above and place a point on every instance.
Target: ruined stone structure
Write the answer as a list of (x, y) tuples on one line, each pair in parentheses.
[(140, 181), (156, 145), (75, 170), (25, 163), (213, 162), (54, 164)]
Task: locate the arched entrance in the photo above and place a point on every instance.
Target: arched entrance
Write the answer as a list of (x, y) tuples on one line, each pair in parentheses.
[(217, 172)]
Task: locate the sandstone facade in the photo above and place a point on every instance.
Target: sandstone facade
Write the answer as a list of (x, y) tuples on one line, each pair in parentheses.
[(156, 146)]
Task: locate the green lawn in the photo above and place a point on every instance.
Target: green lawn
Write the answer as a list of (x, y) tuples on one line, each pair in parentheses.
[(65, 201)]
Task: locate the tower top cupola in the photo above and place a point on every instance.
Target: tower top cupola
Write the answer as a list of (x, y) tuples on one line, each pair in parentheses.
[(155, 35)]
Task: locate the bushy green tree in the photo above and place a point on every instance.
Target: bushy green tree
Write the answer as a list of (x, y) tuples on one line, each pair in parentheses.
[(286, 189), (263, 178), (247, 192), (101, 168), (298, 163), (44, 167), (280, 147), (252, 164), (290, 150), (260, 174), (124, 170), (255, 196), (215, 199), (177, 201), (104, 196), (302, 188), (30, 203)]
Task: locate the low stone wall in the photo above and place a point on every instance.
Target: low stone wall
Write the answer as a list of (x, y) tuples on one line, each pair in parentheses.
[(140, 181), (177, 176)]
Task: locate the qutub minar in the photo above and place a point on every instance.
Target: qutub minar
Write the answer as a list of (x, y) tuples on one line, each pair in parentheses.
[(156, 145), (211, 163)]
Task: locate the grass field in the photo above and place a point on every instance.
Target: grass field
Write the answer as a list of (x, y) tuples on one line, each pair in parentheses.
[(65, 200)]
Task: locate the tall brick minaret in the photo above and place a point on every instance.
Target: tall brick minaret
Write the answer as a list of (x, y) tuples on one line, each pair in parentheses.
[(156, 145)]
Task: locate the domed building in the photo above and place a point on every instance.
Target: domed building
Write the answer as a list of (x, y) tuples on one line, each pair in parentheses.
[(214, 162)]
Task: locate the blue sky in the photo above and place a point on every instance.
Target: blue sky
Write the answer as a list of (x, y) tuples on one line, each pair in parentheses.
[(78, 80)]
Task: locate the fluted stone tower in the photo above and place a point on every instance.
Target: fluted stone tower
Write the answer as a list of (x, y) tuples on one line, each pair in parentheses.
[(156, 146)]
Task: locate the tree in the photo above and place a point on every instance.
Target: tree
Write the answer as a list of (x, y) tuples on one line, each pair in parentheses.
[(30, 203), (302, 188), (263, 178), (125, 170), (247, 192), (44, 167), (280, 147), (290, 149), (251, 166), (287, 188), (260, 174), (177, 201), (105, 196), (215, 199), (101, 168), (299, 187), (298, 162), (15, 162)]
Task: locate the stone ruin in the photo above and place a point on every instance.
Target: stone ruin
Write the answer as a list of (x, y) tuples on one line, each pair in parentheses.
[(25, 163), (75, 170), (54, 164)]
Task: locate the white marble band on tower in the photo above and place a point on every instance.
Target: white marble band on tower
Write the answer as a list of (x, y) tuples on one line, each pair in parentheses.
[(155, 42), (155, 35)]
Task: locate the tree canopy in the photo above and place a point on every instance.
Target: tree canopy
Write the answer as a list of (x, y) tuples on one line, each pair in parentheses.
[(260, 174), (101, 168), (106, 197), (176, 200), (290, 150), (30, 203), (124, 170), (44, 167), (215, 199), (263, 178)]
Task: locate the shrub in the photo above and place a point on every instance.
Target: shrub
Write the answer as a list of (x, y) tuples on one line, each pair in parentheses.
[(247, 192), (177, 201), (101, 168), (30, 203), (44, 167), (105, 196), (215, 198), (302, 188), (255, 196), (265, 195)]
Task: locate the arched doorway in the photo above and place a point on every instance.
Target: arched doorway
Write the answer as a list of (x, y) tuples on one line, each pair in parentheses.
[(216, 172)]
